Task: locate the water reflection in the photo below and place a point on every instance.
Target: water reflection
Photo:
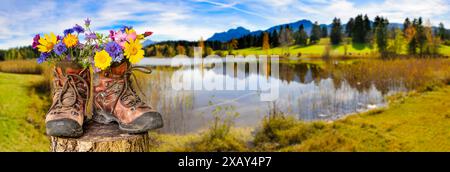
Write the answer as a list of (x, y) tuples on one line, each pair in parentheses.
[(307, 91)]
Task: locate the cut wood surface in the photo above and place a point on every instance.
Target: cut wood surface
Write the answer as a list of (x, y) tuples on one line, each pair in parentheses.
[(102, 138)]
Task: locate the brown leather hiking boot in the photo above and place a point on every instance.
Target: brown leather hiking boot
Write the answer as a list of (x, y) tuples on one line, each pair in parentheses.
[(116, 100), (70, 97)]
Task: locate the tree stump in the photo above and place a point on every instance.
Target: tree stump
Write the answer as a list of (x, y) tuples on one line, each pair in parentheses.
[(102, 138)]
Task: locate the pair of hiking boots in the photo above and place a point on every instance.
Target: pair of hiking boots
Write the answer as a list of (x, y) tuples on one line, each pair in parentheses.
[(114, 99)]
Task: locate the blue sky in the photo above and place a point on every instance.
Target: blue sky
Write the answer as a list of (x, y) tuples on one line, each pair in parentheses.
[(192, 19)]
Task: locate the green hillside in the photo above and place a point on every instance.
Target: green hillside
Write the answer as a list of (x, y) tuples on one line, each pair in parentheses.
[(353, 50)]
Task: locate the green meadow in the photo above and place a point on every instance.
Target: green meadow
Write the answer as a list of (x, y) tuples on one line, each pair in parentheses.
[(21, 114)]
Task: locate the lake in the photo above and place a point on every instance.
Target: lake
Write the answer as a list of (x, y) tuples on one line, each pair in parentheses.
[(307, 90)]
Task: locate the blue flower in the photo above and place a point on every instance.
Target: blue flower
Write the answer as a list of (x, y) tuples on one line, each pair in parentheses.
[(67, 31), (42, 58), (60, 48), (124, 28), (113, 49), (78, 28)]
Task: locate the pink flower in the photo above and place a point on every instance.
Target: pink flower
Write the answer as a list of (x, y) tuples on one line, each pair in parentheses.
[(120, 38), (131, 36)]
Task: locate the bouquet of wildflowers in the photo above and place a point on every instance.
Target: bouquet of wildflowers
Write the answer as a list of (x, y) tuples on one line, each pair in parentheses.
[(98, 50)]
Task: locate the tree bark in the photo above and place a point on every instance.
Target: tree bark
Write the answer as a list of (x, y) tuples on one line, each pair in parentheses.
[(102, 138)]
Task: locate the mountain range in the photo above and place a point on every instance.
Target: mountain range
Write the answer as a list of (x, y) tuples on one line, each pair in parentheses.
[(241, 31)]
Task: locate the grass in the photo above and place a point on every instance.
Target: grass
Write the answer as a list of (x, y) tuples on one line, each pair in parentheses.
[(413, 122), (21, 114), (237, 139), (21, 66), (445, 50)]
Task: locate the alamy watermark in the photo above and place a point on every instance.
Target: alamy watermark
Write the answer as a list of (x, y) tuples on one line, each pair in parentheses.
[(263, 74)]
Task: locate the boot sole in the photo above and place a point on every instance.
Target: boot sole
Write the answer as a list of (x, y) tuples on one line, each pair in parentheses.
[(63, 128), (138, 127)]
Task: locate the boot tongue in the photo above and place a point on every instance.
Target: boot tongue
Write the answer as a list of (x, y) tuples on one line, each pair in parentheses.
[(68, 68), (119, 70), (73, 71)]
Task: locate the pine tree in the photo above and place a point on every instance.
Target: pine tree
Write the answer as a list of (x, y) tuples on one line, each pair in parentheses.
[(442, 32), (367, 26), (381, 34), (336, 31), (358, 30), (301, 37), (406, 25), (274, 39), (349, 27), (420, 36), (324, 31), (315, 33)]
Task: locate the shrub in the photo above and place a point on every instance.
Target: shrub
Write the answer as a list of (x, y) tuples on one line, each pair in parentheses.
[(280, 131), (219, 137)]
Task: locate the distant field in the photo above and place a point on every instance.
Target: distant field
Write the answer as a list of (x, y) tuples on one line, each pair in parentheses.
[(445, 50), (356, 50)]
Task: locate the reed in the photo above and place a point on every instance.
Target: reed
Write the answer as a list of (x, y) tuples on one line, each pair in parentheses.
[(21, 67)]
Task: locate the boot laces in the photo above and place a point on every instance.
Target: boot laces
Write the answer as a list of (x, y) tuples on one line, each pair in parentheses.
[(128, 95), (69, 93)]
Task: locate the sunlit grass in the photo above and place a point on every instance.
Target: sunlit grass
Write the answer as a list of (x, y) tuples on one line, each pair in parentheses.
[(419, 122), (445, 50), (21, 114)]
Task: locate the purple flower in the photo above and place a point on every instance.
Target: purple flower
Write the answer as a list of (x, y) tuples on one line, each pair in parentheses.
[(113, 49), (90, 36), (111, 35), (36, 41), (58, 38), (42, 58), (78, 28), (118, 58), (87, 22), (68, 57), (68, 31), (60, 48)]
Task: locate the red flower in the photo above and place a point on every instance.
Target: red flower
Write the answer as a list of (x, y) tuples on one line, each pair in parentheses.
[(147, 34)]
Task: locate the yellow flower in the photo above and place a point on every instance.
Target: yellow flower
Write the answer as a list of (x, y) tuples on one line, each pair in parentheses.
[(102, 59), (47, 42), (70, 40), (133, 51)]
